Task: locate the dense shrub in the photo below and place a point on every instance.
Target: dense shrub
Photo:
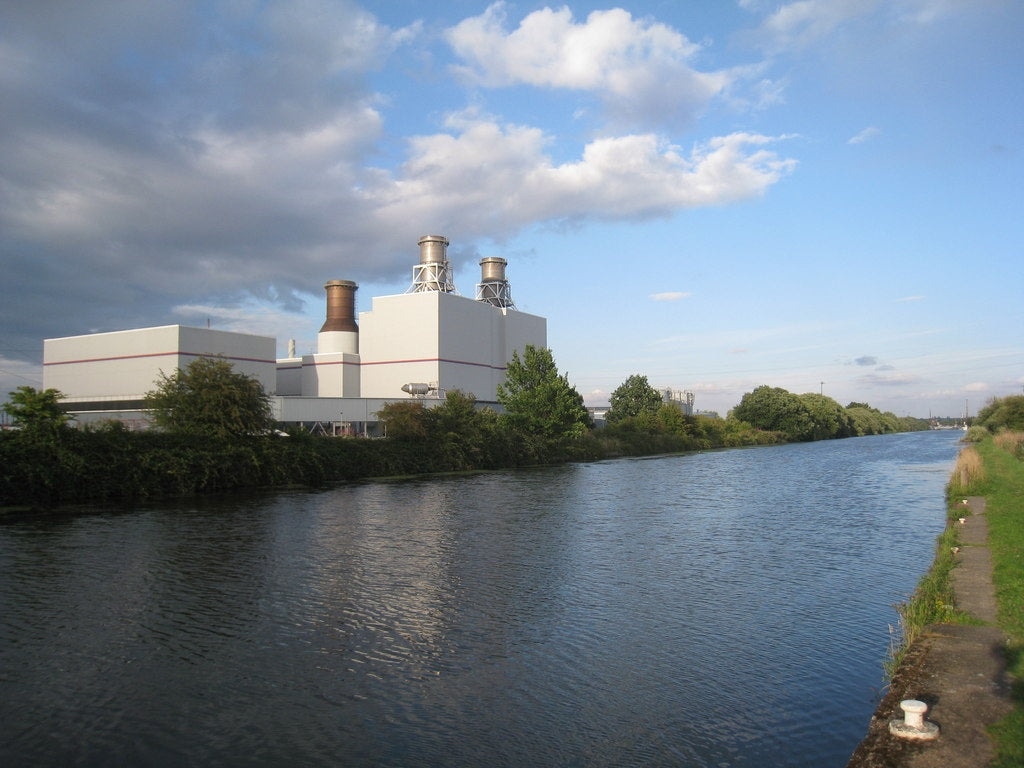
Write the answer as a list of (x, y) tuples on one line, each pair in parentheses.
[(1002, 413), (59, 465)]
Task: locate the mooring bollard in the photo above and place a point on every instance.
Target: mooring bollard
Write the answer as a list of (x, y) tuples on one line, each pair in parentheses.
[(913, 725)]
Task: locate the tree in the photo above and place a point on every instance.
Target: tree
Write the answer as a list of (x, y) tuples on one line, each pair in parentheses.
[(36, 410), (210, 398), (463, 431), (454, 433), (635, 396), (1002, 413), (457, 415), (829, 417), (406, 420), (776, 410), (540, 404)]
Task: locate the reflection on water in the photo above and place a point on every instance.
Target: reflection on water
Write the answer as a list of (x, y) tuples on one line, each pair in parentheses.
[(718, 609)]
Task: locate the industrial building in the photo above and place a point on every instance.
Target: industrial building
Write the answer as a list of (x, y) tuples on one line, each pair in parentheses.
[(106, 375), (418, 344)]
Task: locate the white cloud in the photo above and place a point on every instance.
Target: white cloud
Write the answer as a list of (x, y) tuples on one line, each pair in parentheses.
[(802, 23), (670, 296), (930, 11), (259, 320), (19, 373), (231, 159), (638, 68), (866, 135), (503, 173), (887, 380), (742, 340)]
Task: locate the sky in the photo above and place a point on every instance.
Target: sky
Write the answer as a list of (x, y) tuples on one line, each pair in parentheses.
[(818, 195)]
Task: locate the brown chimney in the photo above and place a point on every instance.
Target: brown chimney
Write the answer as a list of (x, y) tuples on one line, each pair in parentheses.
[(341, 306)]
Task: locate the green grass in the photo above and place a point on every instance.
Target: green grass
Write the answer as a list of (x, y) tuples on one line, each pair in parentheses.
[(932, 601), (1004, 506), (993, 468)]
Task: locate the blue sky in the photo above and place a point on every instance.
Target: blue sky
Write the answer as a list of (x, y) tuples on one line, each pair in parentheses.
[(819, 195)]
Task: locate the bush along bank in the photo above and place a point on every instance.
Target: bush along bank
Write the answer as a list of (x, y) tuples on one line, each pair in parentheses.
[(112, 464), (42, 468), (215, 433), (47, 468)]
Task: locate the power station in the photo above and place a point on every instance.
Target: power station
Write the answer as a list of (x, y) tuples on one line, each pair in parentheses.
[(421, 343)]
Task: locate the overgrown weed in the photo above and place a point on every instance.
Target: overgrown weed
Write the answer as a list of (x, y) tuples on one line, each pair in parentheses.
[(1012, 442), (968, 474), (932, 602)]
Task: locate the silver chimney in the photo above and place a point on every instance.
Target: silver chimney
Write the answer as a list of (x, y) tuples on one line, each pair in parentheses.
[(434, 272), (493, 288)]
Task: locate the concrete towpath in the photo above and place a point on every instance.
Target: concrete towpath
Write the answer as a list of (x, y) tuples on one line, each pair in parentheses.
[(958, 671)]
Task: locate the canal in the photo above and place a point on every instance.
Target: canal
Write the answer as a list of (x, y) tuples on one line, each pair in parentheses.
[(728, 608)]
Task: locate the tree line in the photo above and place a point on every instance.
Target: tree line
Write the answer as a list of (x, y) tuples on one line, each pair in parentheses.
[(213, 431)]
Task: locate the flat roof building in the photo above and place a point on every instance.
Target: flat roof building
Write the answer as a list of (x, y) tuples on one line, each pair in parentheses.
[(422, 343)]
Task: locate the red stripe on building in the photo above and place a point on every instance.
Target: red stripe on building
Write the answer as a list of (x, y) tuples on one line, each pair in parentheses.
[(158, 354)]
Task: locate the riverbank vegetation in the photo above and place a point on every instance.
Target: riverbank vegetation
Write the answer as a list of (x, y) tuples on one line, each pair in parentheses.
[(213, 433), (1004, 499), (933, 600), (991, 465), (813, 416)]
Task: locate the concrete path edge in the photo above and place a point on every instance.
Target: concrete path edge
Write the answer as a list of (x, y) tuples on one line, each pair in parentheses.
[(958, 671)]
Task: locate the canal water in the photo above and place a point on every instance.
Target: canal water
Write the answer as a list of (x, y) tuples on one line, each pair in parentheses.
[(720, 609)]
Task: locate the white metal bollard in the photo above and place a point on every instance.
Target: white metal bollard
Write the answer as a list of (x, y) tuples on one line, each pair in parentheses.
[(913, 725)]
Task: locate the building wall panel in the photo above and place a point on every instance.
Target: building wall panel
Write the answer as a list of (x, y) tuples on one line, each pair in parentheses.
[(127, 364)]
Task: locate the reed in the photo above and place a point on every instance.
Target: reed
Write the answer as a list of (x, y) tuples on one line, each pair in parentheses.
[(1013, 442), (968, 474)]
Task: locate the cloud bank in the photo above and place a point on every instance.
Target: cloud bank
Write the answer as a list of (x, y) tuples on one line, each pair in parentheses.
[(207, 154)]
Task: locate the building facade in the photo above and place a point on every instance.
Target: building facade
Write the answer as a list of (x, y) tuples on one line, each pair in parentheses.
[(421, 344)]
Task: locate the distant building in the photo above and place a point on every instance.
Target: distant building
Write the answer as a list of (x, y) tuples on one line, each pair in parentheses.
[(599, 415), (682, 399), (418, 344)]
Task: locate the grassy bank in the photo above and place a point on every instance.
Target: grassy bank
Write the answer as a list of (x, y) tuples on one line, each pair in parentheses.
[(933, 601), (1003, 488), (993, 468)]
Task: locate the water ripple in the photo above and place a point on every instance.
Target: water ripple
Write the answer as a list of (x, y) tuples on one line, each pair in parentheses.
[(719, 609)]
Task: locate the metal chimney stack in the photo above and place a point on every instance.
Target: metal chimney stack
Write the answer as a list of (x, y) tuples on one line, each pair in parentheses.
[(341, 306), (493, 288), (434, 272), (339, 332)]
